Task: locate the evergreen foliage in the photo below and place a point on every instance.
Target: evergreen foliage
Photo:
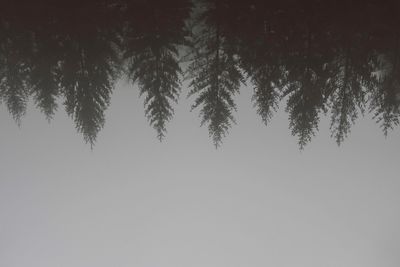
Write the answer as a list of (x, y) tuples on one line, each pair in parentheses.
[(386, 96), (214, 71), (88, 69), (262, 63), (14, 67), (339, 58), (156, 29)]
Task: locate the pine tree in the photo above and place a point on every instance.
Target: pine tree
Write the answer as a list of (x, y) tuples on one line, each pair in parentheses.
[(318, 56), (347, 97), (267, 91), (214, 72), (304, 105), (261, 45), (156, 30), (349, 72), (44, 71), (304, 81), (15, 48), (89, 68), (386, 97)]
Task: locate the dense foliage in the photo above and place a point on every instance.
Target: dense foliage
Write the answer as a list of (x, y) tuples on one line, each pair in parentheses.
[(340, 58)]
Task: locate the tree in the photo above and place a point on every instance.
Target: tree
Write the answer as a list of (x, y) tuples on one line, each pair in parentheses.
[(15, 49), (304, 63), (155, 32), (385, 99), (89, 66), (214, 72), (261, 46), (45, 58), (350, 70), (338, 57)]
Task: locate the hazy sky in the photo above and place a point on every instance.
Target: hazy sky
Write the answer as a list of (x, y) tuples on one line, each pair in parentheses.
[(256, 201)]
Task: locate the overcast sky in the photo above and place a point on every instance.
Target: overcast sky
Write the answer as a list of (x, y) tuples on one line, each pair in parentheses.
[(257, 201)]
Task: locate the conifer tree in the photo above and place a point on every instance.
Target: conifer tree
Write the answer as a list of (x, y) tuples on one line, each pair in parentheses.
[(156, 30), (15, 47), (304, 83), (385, 102), (214, 72), (347, 97), (88, 69), (304, 105), (261, 43), (349, 72), (318, 56), (44, 71)]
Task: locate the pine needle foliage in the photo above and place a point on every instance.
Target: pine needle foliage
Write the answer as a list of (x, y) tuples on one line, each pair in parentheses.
[(214, 72), (155, 31), (44, 74), (337, 58), (88, 71), (14, 68), (385, 100)]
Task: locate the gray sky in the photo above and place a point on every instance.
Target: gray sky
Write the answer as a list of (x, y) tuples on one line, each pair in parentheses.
[(256, 201)]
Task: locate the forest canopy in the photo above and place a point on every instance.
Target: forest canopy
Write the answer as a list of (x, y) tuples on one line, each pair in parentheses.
[(335, 58)]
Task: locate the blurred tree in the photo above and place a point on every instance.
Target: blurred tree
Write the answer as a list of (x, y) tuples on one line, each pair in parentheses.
[(90, 63), (155, 31), (214, 72), (261, 46), (15, 50), (385, 100), (350, 77), (338, 57), (305, 73)]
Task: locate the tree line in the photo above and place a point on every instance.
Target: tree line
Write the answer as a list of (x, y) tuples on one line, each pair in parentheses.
[(337, 58)]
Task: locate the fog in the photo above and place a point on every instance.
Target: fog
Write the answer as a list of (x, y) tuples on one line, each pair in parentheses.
[(256, 201)]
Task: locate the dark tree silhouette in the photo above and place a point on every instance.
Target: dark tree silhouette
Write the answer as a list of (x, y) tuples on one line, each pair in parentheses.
[(15, 50), (385, 100), (89, 66), (215, 72), (48, 50), (341, 58), (156, 30), (304, 64), (386, 97), (349, 72), (45, 57), (260, 48)]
